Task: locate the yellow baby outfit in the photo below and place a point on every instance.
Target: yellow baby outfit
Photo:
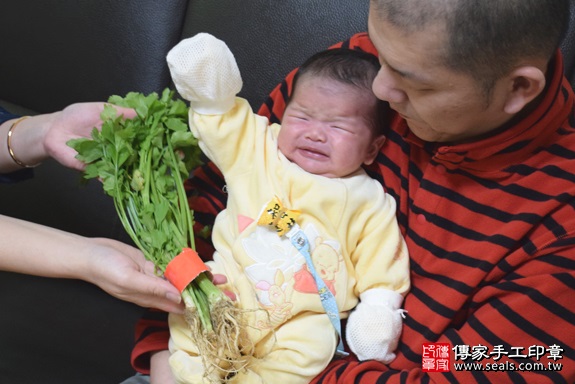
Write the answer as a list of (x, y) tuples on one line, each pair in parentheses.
[(356, 246)]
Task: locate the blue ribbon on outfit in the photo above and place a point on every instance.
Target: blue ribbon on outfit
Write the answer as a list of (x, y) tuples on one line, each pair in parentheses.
[(283, 221), (300, 241)]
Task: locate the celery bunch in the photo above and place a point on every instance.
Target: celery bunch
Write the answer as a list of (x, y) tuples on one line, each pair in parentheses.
[(142, 163)]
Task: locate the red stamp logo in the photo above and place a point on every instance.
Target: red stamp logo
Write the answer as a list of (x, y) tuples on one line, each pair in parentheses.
[(436, 357)]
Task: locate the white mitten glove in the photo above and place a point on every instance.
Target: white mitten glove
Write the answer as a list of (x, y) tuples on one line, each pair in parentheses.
[(205, 73), (374, 326)]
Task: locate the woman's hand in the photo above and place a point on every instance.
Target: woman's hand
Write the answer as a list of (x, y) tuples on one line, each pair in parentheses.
[(118, 268), (75, 121), (122, 271)]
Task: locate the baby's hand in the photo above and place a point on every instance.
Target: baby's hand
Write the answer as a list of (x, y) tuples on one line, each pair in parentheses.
[(205, 73), (374, 326)]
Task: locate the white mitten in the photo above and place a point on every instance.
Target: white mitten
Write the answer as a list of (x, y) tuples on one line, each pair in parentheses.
[(205, 73), (374, 326)]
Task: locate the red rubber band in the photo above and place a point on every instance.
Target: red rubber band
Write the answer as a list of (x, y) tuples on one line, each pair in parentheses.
[(184, 268)]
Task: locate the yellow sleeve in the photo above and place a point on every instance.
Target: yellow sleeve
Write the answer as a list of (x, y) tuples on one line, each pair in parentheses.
[(233, 139), (380, 258)]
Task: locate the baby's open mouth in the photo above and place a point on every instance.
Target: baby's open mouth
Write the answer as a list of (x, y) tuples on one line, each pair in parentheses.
[(312, 153)]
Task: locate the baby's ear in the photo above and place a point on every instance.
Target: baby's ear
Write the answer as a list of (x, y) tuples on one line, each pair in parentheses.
[(373, 149)]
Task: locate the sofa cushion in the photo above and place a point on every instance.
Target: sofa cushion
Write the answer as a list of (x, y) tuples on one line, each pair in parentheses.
[(59, 52)]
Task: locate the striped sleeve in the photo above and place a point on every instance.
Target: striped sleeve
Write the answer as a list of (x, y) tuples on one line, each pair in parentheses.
[(152, 335), (206, 197)]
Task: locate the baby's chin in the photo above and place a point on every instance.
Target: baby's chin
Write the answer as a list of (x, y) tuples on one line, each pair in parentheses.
[(314, 167)]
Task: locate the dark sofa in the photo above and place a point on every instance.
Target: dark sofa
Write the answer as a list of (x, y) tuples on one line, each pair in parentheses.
[(62, 51)]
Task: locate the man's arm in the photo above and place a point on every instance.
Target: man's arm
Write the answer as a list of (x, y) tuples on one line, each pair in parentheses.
[(515, 313)]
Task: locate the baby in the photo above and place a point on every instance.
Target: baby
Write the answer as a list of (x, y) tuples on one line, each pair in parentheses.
[(306, 234)]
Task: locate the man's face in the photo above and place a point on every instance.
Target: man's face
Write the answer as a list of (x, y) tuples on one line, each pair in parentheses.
[(438, 103)]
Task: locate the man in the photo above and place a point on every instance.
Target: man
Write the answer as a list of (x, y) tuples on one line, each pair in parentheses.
[(481, 160), (484, 177)]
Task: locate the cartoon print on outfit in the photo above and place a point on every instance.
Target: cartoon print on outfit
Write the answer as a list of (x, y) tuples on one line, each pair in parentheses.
[(279, 269)]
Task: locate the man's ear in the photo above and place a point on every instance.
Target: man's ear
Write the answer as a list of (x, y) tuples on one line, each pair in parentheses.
[(373, 150), (525, 84)]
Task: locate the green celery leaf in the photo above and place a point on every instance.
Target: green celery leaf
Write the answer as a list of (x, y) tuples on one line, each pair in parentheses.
[(182, 139)]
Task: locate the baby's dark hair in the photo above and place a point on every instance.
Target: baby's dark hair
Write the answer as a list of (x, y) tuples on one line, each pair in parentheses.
[(348, 66)]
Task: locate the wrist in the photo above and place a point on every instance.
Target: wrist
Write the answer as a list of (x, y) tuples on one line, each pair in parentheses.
[(10, 144), (89, 263), (381, 296), (213, 107), (44, 124), (24, 142)]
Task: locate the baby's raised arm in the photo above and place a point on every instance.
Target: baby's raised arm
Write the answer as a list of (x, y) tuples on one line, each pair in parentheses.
[(205, 73)]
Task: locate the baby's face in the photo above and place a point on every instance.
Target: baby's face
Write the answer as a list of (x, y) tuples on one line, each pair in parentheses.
[(325, 128)]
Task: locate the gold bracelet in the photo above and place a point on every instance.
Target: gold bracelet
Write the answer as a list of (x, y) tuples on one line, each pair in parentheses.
[(9, 144)]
